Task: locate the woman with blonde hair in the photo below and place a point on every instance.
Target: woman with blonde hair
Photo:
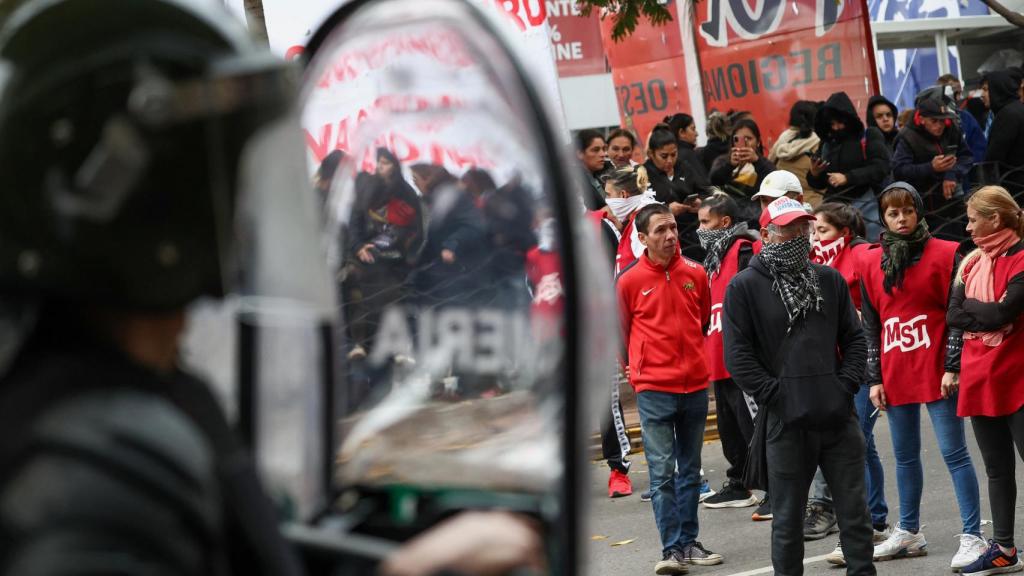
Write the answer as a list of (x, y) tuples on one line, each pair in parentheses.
[(988, 304)]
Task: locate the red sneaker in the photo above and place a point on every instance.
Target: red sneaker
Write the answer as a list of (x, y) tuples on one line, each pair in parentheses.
[(619, 485)]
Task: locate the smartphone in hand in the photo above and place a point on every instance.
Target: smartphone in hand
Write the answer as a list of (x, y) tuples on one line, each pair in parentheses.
[(950, 150)]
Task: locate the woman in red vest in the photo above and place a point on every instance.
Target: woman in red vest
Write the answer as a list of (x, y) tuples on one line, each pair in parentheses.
[(839, 242), (988, 302), (913, 360)]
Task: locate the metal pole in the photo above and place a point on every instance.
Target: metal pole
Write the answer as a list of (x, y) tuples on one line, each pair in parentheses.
[(942, 52)]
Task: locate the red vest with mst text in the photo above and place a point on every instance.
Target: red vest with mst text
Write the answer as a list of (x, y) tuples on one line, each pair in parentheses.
[(913, 319)]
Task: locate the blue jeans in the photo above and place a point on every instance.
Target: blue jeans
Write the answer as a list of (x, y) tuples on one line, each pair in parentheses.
[(905, 425), (867, 204), (673, 433), (874, 474)]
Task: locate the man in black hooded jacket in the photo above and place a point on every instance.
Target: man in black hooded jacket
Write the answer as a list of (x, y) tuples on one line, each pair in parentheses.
[(793, 342), (1006, 140), (882, 114), (852, 162), (931, 154)]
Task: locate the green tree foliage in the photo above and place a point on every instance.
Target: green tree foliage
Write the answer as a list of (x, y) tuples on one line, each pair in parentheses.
[(625, 14)]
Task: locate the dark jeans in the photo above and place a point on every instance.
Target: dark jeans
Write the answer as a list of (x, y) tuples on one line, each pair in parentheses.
[(735, 427), (874, 473), (793, 454), (673, 427), (996, 438)]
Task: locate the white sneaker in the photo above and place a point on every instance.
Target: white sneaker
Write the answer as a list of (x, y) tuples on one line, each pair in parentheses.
[(971, 548), (879, 536), (901, 544), (836, 556)]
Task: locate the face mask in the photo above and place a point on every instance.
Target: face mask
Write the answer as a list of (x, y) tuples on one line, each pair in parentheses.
[(623, 207), (788, 256), (709, 237), (827, 253)]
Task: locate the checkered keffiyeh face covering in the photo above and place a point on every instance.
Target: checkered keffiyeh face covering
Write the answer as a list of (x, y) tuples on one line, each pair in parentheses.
[(795, 280), (716, 242)]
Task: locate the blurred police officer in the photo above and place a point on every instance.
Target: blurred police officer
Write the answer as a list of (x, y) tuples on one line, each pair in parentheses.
[(122, 127)]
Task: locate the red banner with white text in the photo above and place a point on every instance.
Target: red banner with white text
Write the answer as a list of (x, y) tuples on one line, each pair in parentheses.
[(648, 72), (575, 39), (765, 58)]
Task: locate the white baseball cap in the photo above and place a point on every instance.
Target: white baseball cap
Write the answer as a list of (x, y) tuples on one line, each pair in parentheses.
[(779, 183)]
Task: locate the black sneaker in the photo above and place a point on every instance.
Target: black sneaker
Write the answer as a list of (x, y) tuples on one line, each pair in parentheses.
[(764, 510), (645, 496), (732, 495), (819, 522), (672, 562), (993, 561), (696, 553)]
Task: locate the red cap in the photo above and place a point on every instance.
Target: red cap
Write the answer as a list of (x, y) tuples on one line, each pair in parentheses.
[(783, 212)]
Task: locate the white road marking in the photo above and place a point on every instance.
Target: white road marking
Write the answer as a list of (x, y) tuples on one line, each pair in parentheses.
[(769, 569)]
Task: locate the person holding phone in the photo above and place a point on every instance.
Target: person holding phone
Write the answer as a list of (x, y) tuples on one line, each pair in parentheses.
[(852, 163), (932, 155), (675, 186), (740, 171)]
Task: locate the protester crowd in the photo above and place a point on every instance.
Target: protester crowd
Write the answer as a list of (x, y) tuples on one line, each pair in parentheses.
[(857, 265)]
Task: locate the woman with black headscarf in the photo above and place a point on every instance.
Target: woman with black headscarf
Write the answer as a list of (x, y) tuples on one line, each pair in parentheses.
[(914, 362)]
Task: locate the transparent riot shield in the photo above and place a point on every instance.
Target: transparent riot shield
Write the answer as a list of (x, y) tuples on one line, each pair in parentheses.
[(473, 301)]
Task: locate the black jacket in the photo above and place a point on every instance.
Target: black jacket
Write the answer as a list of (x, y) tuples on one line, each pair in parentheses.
[(809, 372), (593, 189), (865, 164), (711, 151), (969, 314), (912, 163), (143, 473), (1006, 139), (454, 223), (890, 136), (676, 189), (693, 167)]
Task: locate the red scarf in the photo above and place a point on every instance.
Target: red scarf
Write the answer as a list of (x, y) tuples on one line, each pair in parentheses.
[(980, 279)]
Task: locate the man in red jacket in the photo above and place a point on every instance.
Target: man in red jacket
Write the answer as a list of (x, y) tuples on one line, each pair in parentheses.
[(665, 307)]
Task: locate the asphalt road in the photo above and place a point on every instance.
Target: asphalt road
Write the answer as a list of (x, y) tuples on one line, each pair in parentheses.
[(746, 544)]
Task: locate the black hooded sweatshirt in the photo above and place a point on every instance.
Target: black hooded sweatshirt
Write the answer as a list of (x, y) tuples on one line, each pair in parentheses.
[(890, 136), (865, 165), (1006, 140)]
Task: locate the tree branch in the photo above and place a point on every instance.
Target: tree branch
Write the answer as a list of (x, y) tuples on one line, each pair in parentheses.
[(1015, 18), (626, 14)]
